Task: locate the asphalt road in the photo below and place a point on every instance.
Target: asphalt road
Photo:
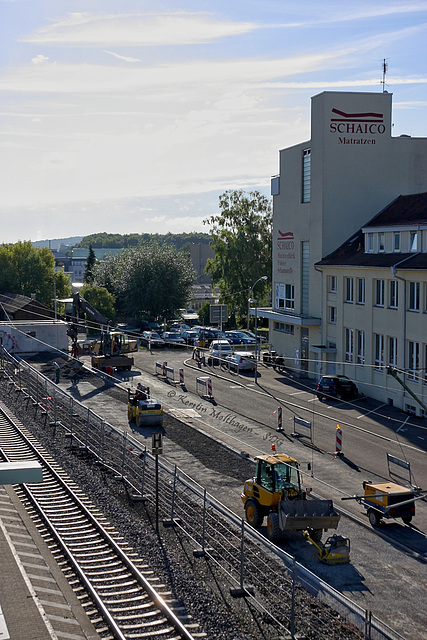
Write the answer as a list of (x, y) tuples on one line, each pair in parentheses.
[(387, 572)]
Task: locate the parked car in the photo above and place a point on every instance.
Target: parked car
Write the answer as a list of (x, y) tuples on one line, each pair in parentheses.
[(173, 339), (251, 334), (190, 336), (152, 340), (239, 337), (208, 334), (219, 349), (336, 386), (178, 327), (241, 361)]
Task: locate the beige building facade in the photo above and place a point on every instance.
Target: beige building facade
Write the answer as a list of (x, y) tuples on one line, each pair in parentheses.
[(328, 188)]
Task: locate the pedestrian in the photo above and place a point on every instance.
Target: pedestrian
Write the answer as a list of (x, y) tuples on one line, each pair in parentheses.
[(57, 372)]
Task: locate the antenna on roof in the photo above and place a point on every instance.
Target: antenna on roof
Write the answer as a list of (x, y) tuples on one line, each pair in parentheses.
[(384, 70)]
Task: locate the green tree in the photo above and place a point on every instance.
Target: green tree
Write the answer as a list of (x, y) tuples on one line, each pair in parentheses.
[(101, 299), (26, 270), (90, 263), (242, 243), (149, 281), (204, 314)]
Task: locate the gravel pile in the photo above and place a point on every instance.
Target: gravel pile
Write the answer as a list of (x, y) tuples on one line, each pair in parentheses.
[(194, 583)]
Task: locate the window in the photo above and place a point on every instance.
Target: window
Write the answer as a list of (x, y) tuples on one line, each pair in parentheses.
[(360, 346), (349, 289), (379, 293), (306, 175), (413, 359), (370, 243), (349, 336), (332, 315), (289, 296), (396, 241), (413, 241), (381, 242), (360, 290), (394, 297), (392, 352), (285, 328), (414, 296), (332, 284), (379, 351)]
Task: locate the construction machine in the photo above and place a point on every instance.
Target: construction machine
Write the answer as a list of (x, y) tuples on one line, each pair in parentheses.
[(388, 500), (109, 352), (276, 493), (144, 410), (336, 549)]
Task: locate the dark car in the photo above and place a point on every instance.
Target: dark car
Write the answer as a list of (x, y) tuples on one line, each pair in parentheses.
[(334, 386), (173, 339), (151, 339), (239, 337)]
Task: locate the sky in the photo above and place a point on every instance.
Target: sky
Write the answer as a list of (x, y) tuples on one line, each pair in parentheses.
[(134, 116)]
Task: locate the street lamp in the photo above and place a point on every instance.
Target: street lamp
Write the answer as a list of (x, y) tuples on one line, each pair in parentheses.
[(253, 301), (250, 294)]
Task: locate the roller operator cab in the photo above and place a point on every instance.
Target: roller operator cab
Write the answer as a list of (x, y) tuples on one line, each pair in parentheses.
[(276, 493)]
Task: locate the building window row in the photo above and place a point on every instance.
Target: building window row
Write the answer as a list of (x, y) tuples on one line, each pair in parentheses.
[(354, 291), (284, 328), (378, 242), (385, 353)]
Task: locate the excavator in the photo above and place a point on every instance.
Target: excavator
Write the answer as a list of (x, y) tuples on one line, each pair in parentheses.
[(109, 352), (276, 493)]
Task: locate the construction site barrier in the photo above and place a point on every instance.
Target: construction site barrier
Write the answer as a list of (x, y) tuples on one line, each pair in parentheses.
[(161, 368), (181, 376), (338, 440), (298, 432), (279, 419), (204, 387)]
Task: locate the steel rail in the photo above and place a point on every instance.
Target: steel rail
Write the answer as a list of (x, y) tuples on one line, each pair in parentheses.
[(31, 491)]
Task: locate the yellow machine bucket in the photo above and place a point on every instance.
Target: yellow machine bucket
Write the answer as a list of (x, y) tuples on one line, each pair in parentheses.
[(336, 549)]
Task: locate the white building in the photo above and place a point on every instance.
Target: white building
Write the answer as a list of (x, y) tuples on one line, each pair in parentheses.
[(328, 188)]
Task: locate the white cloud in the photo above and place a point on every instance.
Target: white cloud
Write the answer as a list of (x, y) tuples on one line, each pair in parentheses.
[(138, 29), (125, 58), (40, 59)]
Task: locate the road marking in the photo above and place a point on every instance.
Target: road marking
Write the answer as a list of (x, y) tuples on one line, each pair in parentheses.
[(297, 393), (363, 415), (403, 424)]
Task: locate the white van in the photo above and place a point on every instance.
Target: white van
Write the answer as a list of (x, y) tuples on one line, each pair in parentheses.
[(219, 349)]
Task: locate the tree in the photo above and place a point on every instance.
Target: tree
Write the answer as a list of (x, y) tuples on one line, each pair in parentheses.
[(26, 270), (90, 263), (204, 314), (242, 243), (149, 281), (101, 299)]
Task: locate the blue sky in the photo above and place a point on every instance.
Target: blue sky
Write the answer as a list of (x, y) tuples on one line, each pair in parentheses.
[(133, 117)]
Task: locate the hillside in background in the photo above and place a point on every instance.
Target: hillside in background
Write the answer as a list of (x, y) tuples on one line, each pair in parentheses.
[(119, 241), (57, 242)]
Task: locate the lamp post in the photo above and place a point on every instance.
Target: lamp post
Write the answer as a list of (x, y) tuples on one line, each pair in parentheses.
[(253, 301), (250, 294)]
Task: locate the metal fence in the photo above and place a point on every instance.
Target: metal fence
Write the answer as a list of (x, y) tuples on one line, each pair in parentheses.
[(256, 569)]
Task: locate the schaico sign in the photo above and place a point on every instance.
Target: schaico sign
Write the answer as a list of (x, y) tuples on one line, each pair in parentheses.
[(343, 123)]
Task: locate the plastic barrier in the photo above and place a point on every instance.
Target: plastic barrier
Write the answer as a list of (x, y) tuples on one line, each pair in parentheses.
[(338, 441), (279, 419), (204, 387)]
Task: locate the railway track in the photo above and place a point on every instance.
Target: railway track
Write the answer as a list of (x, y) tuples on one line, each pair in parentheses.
[(115, 589)]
